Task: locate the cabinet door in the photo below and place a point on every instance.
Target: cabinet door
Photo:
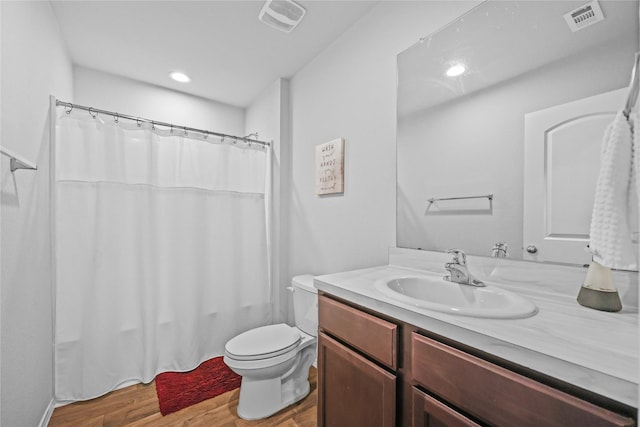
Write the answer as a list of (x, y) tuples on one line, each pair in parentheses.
[(352, 390), (428, 412)]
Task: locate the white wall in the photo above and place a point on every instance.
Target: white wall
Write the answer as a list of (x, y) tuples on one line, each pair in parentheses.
[(268, 115), (349, 91), (34, 65), (114, 93)]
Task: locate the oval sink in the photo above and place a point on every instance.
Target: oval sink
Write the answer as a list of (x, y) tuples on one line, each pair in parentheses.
[(435, 293)]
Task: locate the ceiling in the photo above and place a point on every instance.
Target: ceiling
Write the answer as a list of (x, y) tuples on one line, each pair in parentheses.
[(229, 54), (501, 40)]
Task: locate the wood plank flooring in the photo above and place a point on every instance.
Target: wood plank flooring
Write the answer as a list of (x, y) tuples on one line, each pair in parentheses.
[(137, 406)]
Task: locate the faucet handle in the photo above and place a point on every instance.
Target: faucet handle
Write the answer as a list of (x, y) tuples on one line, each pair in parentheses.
[(499, 250), (459, 256)]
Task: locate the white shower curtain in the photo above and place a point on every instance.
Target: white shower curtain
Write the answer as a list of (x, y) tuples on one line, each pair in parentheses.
[(161, 250)]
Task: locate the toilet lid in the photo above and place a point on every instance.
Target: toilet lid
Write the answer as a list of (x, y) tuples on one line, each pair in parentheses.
[(263, 342)]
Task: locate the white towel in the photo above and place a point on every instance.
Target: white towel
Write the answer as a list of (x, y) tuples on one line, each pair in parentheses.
[(611, 234)]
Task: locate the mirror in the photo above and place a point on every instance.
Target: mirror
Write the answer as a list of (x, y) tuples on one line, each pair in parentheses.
[(461, 139)]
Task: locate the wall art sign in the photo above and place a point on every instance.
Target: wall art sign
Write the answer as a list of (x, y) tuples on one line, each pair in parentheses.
[(330, 167)]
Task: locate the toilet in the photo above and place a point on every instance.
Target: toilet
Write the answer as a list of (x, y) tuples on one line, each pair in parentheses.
[(274, 360)]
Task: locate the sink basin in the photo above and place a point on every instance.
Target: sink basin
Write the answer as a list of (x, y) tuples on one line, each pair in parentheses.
[(435, 293)]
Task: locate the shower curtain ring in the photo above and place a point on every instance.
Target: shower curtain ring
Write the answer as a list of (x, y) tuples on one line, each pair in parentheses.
[(92, 114), (206, 135), (171, 130), (70, 108), (138, 122), (185, 131), (222, 140), (116, 117)]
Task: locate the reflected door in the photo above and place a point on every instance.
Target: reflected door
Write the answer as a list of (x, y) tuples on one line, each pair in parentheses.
[(562, 159)]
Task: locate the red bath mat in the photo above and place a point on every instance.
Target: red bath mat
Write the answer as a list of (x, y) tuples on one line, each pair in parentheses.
[(178, 390)]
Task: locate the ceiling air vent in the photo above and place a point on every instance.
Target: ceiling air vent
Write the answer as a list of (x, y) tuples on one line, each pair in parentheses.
[(283, 15), (584, 16)]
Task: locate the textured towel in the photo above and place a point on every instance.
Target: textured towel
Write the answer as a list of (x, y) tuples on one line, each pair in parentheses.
[(614, 206)]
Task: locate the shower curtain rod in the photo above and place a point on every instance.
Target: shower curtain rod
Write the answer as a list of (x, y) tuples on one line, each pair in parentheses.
[(95, 111)]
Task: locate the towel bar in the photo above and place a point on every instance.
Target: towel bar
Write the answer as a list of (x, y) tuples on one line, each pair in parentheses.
[(488, 196), (16, 161)]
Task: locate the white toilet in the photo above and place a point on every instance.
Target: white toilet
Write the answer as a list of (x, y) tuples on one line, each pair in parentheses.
[(274, 360)]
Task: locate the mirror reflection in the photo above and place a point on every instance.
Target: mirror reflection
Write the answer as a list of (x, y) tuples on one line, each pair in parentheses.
[(500, 121)]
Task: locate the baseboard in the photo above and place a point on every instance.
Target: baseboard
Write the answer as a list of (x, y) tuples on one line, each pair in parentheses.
[(46, 417)]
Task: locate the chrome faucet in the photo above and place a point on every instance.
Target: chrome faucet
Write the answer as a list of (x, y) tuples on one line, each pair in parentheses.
[(458, 270), (499, 250)]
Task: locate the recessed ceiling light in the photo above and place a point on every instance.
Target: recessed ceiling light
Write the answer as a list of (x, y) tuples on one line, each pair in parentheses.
[(456, 70), (179, 77)]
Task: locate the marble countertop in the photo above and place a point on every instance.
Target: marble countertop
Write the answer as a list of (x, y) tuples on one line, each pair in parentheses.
[(594, 350)]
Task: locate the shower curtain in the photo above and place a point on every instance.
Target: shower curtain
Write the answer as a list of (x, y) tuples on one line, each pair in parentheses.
[(161, 250)]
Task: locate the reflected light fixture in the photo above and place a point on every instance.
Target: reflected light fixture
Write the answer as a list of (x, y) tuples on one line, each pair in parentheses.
[(456, 70), (179, 77)]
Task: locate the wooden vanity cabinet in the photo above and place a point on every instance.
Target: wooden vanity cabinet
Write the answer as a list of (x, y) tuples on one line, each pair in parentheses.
[(375, 371), (356, 392), (497, 396), (356, 363)]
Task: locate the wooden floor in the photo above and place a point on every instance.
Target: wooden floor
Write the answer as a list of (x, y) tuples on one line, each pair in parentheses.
[(137, 406)]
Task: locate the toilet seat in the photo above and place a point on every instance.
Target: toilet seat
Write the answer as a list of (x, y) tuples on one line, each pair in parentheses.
[(306, 340), (263, 343)]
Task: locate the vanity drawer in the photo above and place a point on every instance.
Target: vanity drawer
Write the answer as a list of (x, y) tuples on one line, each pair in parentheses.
[(371, 335), (497, 396)]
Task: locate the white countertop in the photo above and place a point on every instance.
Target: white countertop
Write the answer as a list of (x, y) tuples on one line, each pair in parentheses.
[(594, 350)]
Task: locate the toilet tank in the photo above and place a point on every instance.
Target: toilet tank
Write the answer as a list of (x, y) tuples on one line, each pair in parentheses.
[(305, 304)]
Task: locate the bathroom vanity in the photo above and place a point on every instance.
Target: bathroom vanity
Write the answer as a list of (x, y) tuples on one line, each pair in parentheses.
[(384, 362), (400, 346)]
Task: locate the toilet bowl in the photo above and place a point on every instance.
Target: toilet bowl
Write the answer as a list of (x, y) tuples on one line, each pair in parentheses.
[(274, 360)]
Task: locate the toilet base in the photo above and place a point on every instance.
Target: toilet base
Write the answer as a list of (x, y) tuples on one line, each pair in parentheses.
[(261, 398), (268, 404)]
